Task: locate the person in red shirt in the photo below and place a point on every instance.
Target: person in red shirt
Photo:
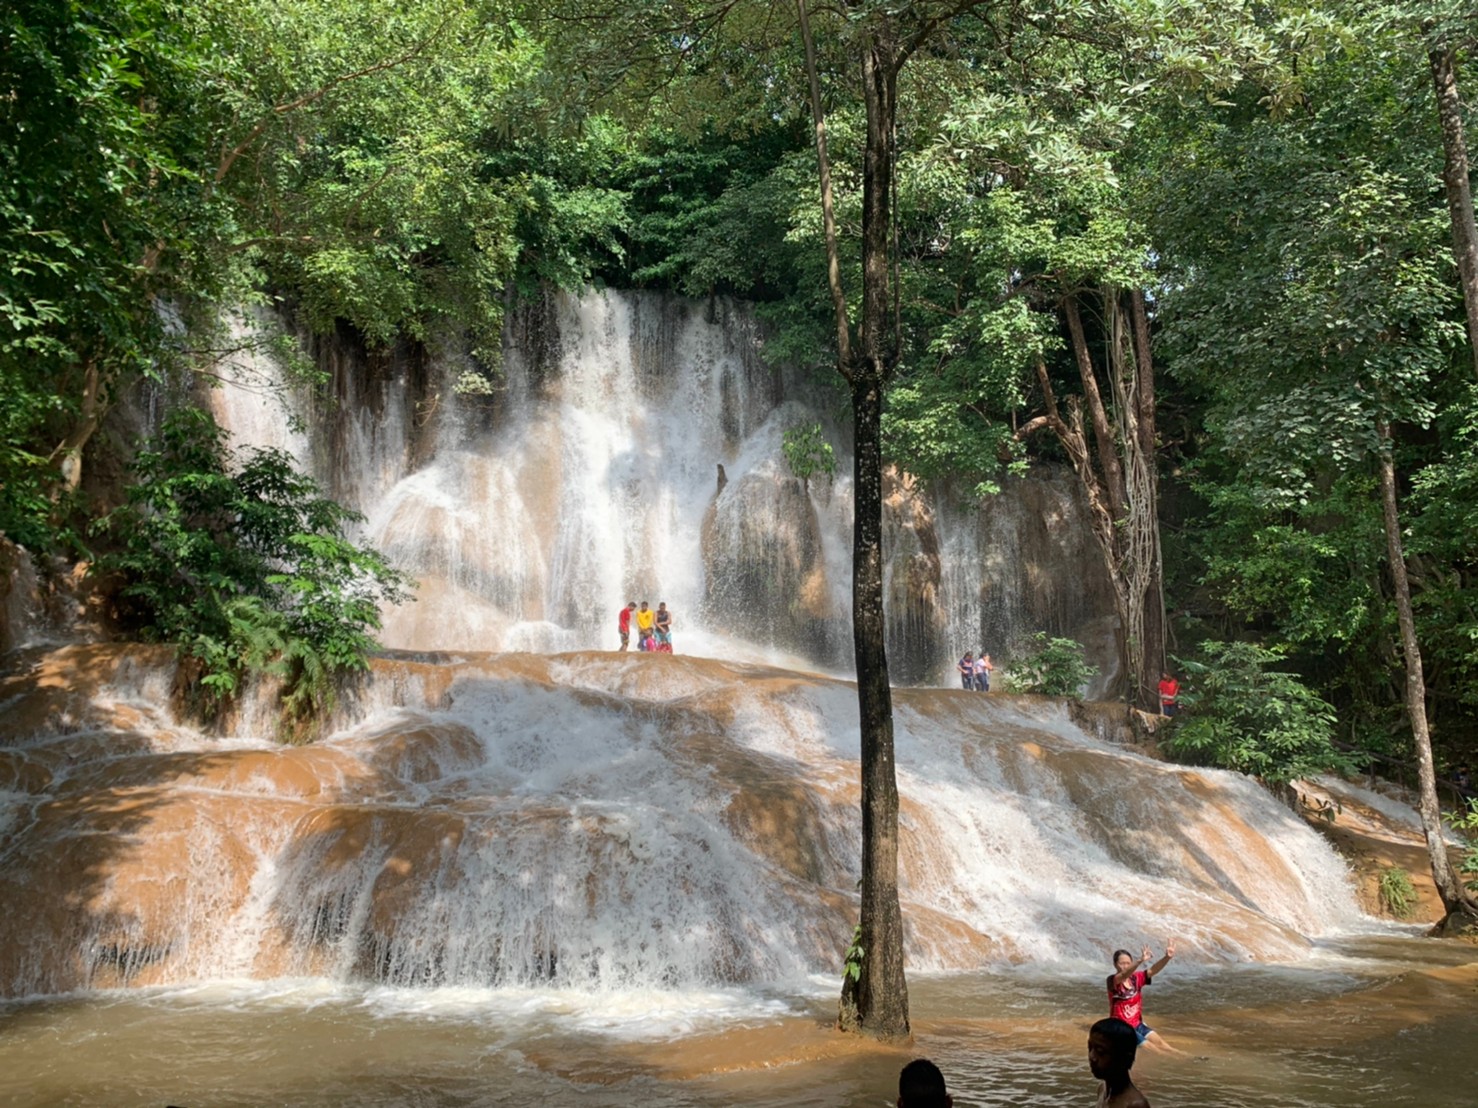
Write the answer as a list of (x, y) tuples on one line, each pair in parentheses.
[(1125, 986), (1169, 692), (623, 624)]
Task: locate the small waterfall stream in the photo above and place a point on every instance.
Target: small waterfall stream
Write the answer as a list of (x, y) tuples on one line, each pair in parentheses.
[(633, 451)]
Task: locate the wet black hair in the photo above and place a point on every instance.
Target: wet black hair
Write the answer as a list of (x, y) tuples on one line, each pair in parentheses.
[(1124, 952), (921, 1085), (1121, 1037)]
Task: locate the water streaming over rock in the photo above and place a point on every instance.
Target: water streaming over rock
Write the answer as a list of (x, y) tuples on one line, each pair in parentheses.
[(597, 822), (633, 450)]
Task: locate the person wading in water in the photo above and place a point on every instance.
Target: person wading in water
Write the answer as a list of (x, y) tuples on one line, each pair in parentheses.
[(1125, 987)]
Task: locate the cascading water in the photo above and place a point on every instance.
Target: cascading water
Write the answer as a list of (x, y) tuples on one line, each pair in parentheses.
[(592, 822), (635, 452)]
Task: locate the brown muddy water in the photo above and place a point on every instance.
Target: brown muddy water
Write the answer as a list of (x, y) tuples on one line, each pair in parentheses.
[(1372, 1022)]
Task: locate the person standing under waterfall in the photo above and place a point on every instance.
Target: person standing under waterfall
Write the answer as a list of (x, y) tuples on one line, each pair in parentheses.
[(645, 620), (623, 623), (1125, 988), (663, 626), (1112, 1045), (983, 670), (966, 666)]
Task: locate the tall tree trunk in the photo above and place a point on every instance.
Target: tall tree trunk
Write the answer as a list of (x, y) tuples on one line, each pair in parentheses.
[(1143, 492), (875, 1001), (1105, 530), (1108, 455), (881, 994), (1125, 446), (1449, 885), (1455, 182)]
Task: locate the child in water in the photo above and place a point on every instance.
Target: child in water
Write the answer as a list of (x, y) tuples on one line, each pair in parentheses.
[(1112, 1044)]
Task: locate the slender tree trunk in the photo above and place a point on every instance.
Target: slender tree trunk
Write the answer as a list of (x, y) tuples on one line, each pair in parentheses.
[(1455, 182), (1147, 508), (68, 455), (1128, 489), (1108, 456), (875, 1002), (1449, 885), (880, 998), (1069, 433)]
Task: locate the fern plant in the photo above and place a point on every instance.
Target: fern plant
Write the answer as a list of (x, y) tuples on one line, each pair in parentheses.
[(1397, 892)]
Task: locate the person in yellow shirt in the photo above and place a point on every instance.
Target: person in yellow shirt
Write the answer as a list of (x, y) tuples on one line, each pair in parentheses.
[(646, 619)]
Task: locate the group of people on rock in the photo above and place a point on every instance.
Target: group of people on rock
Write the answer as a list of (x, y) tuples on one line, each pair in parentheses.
[(975, 671), (1112, 1043), (653, 628)]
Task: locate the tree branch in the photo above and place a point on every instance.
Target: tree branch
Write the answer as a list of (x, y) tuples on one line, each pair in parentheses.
[(228, 159), (828, 214), (1108, 456)]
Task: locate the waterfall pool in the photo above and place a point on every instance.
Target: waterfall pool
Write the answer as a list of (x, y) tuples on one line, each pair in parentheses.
[(1378, 1021)]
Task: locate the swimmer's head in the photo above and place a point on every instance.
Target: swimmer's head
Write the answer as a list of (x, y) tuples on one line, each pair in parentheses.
[(1112, 1044), (921, 1085)]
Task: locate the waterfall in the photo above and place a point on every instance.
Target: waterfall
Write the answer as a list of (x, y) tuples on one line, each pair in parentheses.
[(632, 450), (595, 822)]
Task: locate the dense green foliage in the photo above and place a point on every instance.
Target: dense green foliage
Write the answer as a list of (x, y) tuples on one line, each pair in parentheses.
[(1466, 821), (245, 567), (1309, 295), (1246, 716), (1051, 667), (807, 452), (1266, 175), (96, 147)]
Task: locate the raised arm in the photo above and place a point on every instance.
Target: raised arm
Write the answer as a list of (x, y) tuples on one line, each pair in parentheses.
[(1164, 961)]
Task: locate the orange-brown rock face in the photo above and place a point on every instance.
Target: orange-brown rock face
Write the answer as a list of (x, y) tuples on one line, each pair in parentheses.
[(599, 819)]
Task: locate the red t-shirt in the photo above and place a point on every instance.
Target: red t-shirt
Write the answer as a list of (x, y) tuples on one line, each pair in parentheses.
[(1169, 690), (1124, 1001), (623, 623)]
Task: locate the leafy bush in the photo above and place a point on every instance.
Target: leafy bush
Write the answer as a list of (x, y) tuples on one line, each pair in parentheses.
[(1247, 717), (807, 452), (246, 569), (1052, 667), (1397, 892), (1467, 823)]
